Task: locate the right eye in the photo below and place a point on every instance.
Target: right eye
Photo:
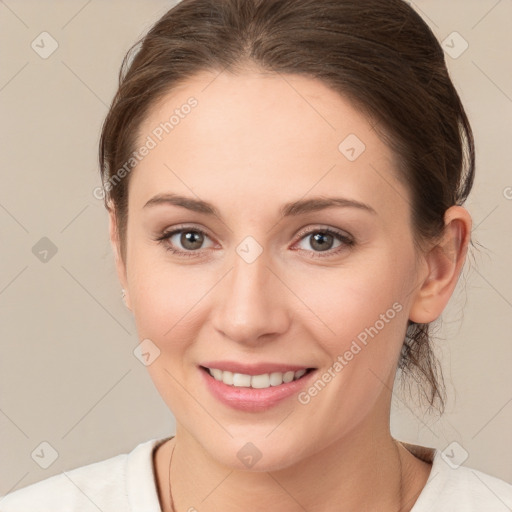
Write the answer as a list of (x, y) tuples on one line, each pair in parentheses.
[(190, 238)]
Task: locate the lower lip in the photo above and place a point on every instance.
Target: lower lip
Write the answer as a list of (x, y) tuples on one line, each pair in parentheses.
[(251, 399)]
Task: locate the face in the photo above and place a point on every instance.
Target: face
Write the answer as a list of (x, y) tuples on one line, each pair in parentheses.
[(262, 286)]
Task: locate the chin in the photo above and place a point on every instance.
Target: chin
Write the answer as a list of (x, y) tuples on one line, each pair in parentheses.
[(256, 453)]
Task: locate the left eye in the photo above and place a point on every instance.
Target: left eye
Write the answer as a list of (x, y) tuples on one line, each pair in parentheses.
[(321, 240)]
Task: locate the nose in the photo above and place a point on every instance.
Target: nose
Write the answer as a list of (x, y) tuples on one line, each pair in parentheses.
[(252, 303)]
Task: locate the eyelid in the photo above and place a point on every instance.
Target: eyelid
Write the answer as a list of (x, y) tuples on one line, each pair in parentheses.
[(324, 228), (182, 227)]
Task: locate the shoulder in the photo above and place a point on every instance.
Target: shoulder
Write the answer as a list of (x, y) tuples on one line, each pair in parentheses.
[(98, 486), (453, 488)]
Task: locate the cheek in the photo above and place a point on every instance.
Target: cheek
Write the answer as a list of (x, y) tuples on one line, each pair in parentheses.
[(162, 294), (362, 301), (164, 300), (363, 315)]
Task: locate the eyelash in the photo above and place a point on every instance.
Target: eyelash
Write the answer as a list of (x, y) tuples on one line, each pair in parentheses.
[(347, 241)]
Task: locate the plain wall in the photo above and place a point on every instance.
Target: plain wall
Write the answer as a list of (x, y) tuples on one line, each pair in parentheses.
[(68, 375)]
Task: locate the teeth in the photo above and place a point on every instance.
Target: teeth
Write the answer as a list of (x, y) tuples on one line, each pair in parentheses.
[(260, 381), (216, 373), (226, 377), (266, 380), (241, 381), (276, 379), (288, 376), (299, 374)]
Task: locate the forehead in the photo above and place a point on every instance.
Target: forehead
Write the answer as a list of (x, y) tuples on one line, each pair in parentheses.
[(283, 134)]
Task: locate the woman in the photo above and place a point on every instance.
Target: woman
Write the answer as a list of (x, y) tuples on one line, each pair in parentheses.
[(285, 181)]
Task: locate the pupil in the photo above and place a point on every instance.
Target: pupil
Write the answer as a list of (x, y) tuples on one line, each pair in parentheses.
[(189, 237), (320, 238)]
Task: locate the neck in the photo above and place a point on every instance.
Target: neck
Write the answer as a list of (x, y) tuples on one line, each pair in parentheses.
[(365, 470)]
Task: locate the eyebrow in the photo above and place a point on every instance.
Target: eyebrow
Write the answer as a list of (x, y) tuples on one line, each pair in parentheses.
[(293, 208)]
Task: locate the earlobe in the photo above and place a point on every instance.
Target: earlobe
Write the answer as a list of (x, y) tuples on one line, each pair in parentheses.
[(444, 262)]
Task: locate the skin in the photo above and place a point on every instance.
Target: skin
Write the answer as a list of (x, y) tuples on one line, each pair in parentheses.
[(254, 142)]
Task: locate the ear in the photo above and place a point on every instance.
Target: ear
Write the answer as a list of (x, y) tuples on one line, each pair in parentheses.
[(444, 263), (119, 262)]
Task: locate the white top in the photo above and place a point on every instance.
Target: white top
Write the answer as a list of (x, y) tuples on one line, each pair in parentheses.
[(127, 483)]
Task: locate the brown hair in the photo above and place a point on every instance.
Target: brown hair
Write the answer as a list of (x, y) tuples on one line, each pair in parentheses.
[(379, 54)]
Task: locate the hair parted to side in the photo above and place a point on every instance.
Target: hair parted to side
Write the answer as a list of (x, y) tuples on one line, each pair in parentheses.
[(379, 54)]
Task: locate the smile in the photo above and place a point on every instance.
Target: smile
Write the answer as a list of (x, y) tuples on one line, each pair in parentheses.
[(262, 381)]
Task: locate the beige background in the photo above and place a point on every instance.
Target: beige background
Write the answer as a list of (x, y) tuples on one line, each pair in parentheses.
[(68, 375)]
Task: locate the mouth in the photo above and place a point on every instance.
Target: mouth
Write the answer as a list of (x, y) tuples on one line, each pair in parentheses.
[(254, 387), (258, 381)]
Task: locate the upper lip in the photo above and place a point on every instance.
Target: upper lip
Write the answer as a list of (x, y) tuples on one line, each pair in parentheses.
[(253, 369)]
